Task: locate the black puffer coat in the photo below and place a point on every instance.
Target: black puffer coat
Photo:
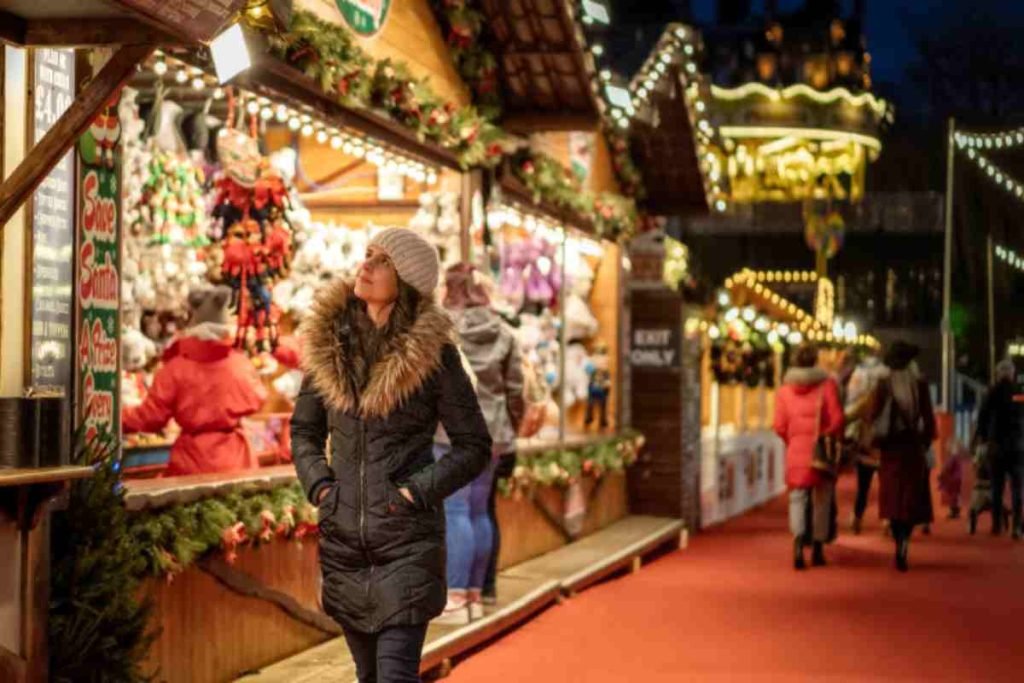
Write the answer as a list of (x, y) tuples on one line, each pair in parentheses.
[(383, 558)]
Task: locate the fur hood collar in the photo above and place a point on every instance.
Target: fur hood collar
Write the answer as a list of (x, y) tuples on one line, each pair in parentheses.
[(405, 364), (805, 377)]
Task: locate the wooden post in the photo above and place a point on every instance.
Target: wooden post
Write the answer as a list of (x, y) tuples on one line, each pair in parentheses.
[(59, 139)]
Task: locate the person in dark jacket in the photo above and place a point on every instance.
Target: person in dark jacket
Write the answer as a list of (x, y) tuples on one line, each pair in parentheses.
[(381, 372), (903, 428), (1001, 427)]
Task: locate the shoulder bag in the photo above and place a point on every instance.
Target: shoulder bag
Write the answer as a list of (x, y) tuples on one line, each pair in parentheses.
[(827, 449)]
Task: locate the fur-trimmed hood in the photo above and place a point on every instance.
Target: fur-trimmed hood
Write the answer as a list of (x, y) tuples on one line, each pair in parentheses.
[(804, 379), (405, 363)]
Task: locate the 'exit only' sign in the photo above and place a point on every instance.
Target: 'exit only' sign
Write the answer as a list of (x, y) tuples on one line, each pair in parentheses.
[(655, 348)]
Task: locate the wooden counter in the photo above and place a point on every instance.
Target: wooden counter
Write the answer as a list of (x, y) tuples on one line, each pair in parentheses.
[(41, 475)]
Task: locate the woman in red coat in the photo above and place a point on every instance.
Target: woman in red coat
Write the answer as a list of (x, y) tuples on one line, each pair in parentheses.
[(206, 386), (806, 406)]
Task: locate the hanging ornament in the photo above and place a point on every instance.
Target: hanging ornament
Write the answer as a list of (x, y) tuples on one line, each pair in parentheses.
[(255, 251), (824, 232)]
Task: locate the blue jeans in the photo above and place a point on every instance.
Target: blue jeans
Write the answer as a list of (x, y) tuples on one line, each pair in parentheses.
[(470, 533)]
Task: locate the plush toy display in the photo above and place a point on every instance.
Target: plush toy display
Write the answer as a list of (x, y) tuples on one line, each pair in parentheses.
[(137, 350), (165, 221), (438, 220)]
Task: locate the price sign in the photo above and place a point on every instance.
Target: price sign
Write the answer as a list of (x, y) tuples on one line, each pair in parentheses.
[(53, 230)]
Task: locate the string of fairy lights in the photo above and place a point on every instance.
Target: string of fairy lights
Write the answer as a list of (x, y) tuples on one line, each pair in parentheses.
[(680, 46), (303, 123), (971, 145)]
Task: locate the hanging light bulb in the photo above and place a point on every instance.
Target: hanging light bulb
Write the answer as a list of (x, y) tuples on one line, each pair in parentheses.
[(336, 142), (281, 113), (266, 113), (160, 67), (321, 136), (307, 130), (198, 83), (181, 76), (294, 123), (218, 93)]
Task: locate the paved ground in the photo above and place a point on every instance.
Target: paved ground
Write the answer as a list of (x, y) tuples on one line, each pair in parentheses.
[(730, 607)]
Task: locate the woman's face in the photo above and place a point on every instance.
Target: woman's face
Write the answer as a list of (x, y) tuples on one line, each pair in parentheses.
[(377, 281)]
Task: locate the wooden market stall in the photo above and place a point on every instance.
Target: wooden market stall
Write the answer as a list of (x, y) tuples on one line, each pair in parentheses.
[(761, 316), (223, 555)]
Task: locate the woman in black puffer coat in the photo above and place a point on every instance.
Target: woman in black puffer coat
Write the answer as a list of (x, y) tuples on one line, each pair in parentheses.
[(382, 372)]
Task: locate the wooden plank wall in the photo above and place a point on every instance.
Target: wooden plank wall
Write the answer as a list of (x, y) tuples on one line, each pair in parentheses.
[(410, 35), (526, 534), (656, 481), (210, 633), (602, 173)]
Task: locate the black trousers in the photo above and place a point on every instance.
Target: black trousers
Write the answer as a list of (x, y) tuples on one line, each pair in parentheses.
[(865, 474), (1001, 471), (506, 465), (390, 656), (901, 530)]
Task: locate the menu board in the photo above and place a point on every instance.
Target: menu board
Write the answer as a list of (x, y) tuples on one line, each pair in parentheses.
[(53, 229), (99, 274)]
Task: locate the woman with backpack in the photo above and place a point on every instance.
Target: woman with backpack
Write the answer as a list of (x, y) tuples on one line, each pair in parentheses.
[(903, 427)]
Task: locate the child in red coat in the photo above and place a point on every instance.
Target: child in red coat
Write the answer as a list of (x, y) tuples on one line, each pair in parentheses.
[(206, 386)]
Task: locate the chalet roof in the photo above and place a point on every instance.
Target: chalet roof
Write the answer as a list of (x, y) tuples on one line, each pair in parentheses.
[(547, 75)]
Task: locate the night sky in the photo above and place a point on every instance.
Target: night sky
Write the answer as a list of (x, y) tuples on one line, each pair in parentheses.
[(889, 26)]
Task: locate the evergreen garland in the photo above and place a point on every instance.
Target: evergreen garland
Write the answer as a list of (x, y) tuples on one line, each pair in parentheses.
[(328, 54), (172, 538), (98, 628), (465, 29), (614, 216), (563, 467)]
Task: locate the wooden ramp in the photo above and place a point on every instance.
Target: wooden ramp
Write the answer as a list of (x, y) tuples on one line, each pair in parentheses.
[(523, 591), (595, 557)]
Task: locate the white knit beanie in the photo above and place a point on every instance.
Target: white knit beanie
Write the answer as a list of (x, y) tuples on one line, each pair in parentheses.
[(415, 258)]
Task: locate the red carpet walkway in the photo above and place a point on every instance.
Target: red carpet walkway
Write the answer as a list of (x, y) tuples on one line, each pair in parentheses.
[(731, 608)]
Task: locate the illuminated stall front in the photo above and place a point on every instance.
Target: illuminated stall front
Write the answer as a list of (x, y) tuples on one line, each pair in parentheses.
[(759, 316)]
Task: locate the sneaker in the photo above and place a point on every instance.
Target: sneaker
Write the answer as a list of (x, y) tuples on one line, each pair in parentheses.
[(456, 612), (489, 599), (476, 611)]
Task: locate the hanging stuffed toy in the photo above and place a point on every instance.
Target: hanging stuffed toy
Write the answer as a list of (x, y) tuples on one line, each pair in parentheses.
[(530, 272), (255, 250), (599, 388)]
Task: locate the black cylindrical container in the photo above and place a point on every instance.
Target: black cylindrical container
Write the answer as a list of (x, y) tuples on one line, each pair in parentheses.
[(53, 416), (12, 441), (35, 432)]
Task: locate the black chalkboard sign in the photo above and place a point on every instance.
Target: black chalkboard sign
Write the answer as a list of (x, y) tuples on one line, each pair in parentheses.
[(53, 231)]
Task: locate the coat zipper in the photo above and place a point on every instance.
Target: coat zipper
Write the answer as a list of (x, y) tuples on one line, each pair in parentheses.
[(362, 489), (362, 505)]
